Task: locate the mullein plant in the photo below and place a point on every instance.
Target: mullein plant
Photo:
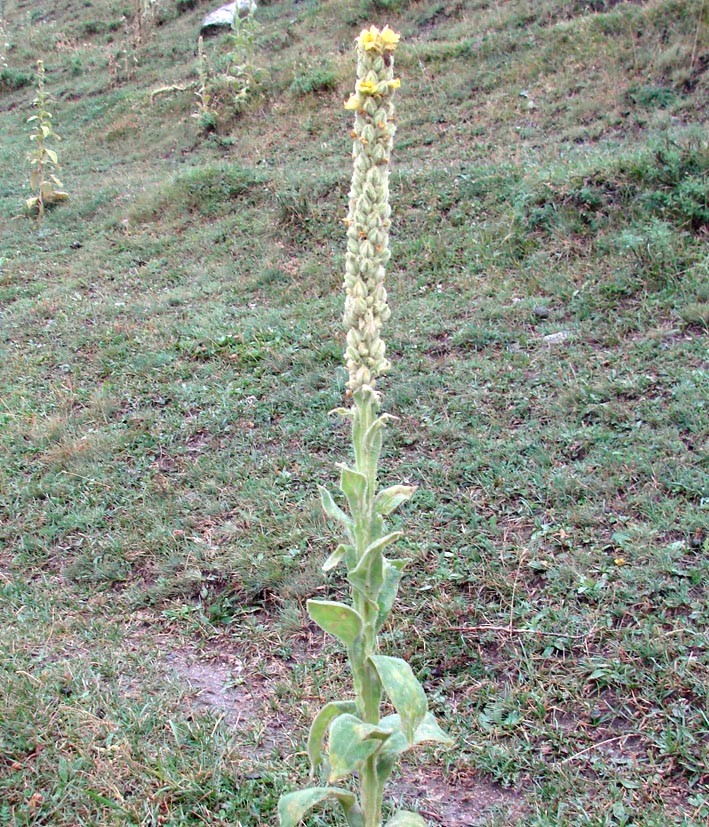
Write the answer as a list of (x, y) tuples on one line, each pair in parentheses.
[(44, 161), (361, 744), (206, 115)]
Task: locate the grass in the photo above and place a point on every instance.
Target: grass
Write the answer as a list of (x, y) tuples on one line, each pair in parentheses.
[(170, 347)]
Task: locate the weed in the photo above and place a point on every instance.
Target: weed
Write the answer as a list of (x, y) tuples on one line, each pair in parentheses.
[(43, 159), (11, 79), (361, 742), (170, 347), (309, 79)]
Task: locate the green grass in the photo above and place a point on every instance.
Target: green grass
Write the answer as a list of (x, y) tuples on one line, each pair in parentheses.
[(170, 346)]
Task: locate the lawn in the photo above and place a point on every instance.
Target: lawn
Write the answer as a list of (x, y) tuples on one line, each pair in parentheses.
[(171, 347)]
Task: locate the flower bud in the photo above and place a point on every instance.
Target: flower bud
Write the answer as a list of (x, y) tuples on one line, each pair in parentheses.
[(369, 211)]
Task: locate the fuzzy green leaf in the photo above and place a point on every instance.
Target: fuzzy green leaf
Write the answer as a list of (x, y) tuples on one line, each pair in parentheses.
[(352, 741), (372, 441), (404, 690), (427, 731), (368, 576), (337, 619), (392, 572), (52, 155), (293, 806), (319, 726), (390, 499), (405, 818), (394, 746), (342, 551), (333, 511), (354, 487)]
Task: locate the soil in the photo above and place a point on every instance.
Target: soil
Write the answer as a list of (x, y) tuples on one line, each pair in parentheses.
[(458, 799)]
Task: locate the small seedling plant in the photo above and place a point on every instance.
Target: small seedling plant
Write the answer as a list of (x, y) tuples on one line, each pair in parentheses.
[(44, 162), (361, 744)]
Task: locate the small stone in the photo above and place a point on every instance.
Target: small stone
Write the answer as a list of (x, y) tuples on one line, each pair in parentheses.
[(540, 312), (557, 338)]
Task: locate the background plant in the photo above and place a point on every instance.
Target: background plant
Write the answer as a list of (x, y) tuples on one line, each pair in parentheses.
[(44, 161), (241, 75), (229, 77), (206, 115), (361, 742)]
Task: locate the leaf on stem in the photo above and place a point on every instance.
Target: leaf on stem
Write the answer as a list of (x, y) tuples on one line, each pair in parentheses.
[(427, 731), (405, 818), (337, 555), (293, 806), (319, 727), (404, 690), (333, 511), (368, 576), (337, 619), (389, 499), (354, 487), (352, 741), (392, 571)]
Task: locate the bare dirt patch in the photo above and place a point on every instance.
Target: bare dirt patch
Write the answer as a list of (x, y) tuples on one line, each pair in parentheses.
[(241, 693), (463, 800), (237, 691)]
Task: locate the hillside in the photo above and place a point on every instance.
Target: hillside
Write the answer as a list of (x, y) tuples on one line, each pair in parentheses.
[(171, 346)]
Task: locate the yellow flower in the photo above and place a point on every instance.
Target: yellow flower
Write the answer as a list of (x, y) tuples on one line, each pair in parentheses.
[(367, 87), (353, 102), (389, 39), (369, 39), (394, 84), (374, 40)]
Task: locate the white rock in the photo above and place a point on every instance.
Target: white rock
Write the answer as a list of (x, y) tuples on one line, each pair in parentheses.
[(224, 16), (245, 7), (557, 338)]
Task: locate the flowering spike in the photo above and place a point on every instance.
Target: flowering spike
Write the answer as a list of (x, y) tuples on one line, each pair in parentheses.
[(366, 305)]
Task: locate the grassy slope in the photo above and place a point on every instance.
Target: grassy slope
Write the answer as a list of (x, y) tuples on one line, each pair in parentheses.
[(170, 346)]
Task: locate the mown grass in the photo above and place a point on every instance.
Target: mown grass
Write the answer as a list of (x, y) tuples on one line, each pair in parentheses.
[(171, 346)]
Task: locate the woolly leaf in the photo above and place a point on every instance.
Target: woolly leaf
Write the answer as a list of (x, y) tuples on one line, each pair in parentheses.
[(404, 690), (332, 510), (354, 487), (427, 731), (342, 551), (405, 818), (351, 742), (392, 571), (293, 806), (337, 619), (390, 499), (368, 576), (319, 726)]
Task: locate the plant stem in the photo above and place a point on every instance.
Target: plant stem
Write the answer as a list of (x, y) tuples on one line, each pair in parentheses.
[(367, 685)]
